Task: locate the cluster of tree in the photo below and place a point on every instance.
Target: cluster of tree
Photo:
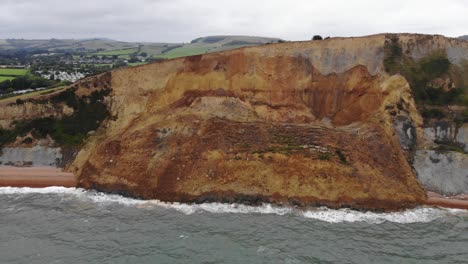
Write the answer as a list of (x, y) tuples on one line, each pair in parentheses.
[(318, 37), (18, 56), (25, 82)]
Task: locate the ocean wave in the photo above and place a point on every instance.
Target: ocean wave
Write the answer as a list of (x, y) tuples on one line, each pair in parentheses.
[(421, 214)]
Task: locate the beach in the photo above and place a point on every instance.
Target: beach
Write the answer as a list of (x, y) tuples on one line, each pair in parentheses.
[(40, 177), (35, 177)]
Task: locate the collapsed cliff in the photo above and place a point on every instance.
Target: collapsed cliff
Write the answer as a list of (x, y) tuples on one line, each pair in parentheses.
[(329, 122), (308, 123)]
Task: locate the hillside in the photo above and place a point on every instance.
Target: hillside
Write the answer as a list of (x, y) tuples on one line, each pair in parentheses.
[(331, 122), (111, 47), (70, 45)]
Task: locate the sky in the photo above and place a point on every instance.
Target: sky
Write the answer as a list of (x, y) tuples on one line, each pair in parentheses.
[(184, 20)]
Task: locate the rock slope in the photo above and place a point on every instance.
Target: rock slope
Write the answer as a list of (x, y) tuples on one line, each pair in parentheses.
[(304, 123), (308, 123)]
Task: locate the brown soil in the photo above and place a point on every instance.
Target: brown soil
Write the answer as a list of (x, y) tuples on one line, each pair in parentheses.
[(260, 124), (36, 177)]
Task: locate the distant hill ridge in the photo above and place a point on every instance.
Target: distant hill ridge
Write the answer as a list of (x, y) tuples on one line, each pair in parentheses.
[(105, 44), (233, 40)]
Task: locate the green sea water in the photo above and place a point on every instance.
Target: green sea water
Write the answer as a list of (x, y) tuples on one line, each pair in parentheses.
[(67, 225)]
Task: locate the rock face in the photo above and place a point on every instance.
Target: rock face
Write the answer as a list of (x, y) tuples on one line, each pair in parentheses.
[(308, 123), (304, 123), (14, 112), (445, 173), (462, 136), (34, 156)]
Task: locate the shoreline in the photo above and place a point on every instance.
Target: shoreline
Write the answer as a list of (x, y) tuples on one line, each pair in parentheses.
[(40, 177), (456, 201), (35, 177)]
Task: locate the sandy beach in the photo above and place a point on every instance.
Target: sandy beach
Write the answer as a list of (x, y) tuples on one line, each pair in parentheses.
[(457, 201), (39, 177), (36, 177)]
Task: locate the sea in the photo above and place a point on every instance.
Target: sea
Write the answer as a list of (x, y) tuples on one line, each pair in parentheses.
[(70, 225)]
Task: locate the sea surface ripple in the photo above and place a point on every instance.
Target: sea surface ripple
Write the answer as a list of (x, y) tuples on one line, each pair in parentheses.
[(70, 225)]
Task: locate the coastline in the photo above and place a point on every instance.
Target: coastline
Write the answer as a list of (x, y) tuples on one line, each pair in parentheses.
[(456, 201), (40, 177), (35, 177)]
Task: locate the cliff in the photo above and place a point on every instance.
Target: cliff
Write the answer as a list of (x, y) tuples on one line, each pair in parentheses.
[(309, 123), (305, 122)]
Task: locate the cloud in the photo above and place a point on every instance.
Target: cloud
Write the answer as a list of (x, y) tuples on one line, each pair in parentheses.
[(183, 20)]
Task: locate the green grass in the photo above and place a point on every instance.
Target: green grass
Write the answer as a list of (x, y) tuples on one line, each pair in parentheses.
[(30, 95), (137, 63), (4, 78), (187, 50), (13, 72), (103, 65), (117, 52)]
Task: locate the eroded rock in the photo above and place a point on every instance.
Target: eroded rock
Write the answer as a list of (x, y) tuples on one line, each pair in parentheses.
[(445, 173)]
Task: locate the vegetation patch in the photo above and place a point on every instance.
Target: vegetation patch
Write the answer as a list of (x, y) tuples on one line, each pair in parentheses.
[(184, 51), (13, 72), (419, 73), (432, 113), (6, 78), (434, 81), (69, 131), (461, 118), (448, 146), (341, 156), (6, 99), (117, 52)]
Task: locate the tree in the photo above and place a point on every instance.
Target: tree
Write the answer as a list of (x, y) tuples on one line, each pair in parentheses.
[(5, 85), (144, 54), (317, 37)]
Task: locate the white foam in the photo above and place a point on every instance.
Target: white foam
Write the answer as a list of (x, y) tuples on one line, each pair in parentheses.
[(51, 190), (417, 215), (422, 214), (219, 208), (97, 197)]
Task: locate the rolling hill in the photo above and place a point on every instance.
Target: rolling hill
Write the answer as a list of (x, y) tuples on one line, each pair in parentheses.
[(103, 46)]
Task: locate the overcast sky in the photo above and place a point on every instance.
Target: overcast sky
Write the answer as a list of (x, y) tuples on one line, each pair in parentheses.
[(184, 20)]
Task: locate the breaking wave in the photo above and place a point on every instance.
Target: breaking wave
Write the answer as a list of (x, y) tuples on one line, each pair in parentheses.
[(417, 215)]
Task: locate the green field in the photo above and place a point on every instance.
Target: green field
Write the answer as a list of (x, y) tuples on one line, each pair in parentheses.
[(13, 72), (184, 51), (117, 52), (137, 63), (25, 96), (103, 65), (4, 78)]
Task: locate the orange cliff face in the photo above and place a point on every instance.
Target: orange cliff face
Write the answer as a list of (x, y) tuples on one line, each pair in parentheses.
[(305, 123)]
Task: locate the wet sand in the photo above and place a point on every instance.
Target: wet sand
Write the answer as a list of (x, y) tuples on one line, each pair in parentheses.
[(457, 201), (35, 177), (39, 177)]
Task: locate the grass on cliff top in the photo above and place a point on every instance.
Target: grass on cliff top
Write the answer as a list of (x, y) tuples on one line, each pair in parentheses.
[(117, 52), (187, 50), (4, 78), (13, 72), (30, 95)]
